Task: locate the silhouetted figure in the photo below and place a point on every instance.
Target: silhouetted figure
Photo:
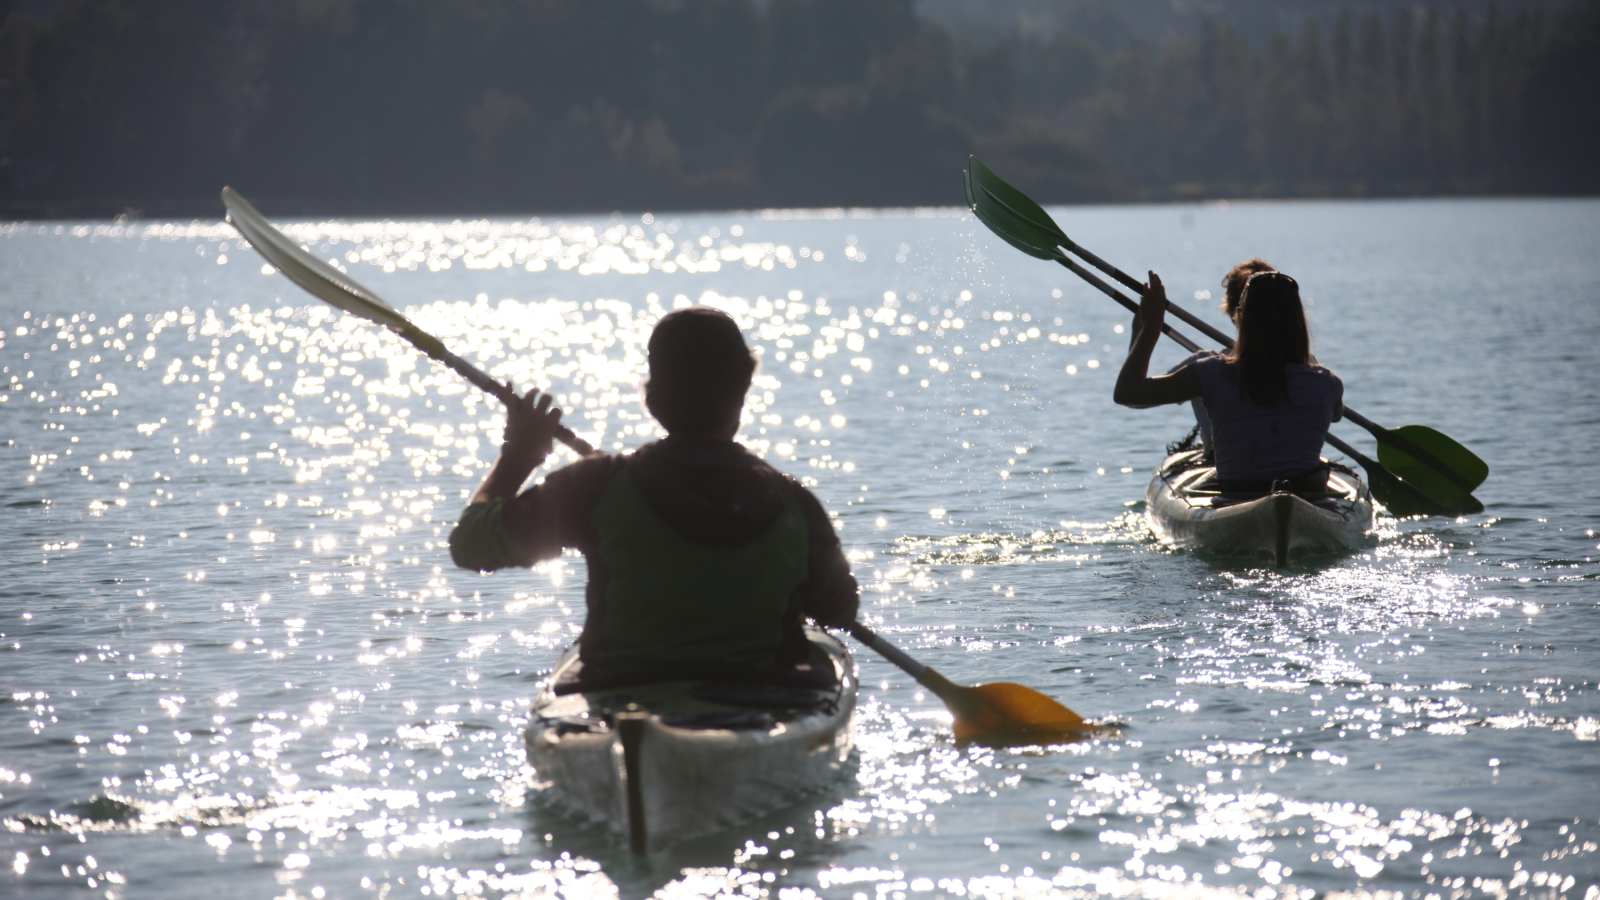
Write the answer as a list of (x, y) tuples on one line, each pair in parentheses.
[(1268, 402), (703, 560)]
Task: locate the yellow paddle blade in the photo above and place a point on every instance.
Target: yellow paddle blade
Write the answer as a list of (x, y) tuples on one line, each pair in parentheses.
[(1010, 709), (1004, 711)]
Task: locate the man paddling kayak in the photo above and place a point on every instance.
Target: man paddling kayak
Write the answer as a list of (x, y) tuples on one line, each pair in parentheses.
[(1268, 402), (703, 560)]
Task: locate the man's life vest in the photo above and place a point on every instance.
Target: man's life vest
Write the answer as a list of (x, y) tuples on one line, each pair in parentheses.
[(671, 602)]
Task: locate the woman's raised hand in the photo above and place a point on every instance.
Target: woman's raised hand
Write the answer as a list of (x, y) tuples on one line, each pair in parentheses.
[(1135, 387), (1153, 307)]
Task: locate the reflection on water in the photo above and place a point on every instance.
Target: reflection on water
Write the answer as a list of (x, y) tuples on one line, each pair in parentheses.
[(237, 659)]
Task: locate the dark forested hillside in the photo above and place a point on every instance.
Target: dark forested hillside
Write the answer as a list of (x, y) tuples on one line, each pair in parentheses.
[(482, 106)]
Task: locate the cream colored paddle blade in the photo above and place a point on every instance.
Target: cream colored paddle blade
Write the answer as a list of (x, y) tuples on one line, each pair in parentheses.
[(316, 276)]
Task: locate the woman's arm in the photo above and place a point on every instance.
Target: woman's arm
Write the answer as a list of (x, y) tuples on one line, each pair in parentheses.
[(1135, 387)]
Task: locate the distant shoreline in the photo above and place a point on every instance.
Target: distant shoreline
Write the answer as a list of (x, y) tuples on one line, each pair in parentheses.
[(280, 209), (414, 108)]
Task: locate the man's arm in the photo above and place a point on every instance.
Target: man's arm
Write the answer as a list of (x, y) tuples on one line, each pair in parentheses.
[(481, 540), (829, 595)]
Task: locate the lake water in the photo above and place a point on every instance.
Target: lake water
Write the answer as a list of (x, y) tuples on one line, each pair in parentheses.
[(235, 660)]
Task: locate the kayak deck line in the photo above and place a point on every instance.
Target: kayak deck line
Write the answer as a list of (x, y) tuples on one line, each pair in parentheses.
[(1186, 510), (1283, 511), (630, 733), (658, 763)]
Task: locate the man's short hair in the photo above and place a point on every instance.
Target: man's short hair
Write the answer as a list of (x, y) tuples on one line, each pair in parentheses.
[(700, 369)]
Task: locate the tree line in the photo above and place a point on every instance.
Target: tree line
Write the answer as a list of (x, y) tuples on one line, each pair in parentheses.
[(490, 106)]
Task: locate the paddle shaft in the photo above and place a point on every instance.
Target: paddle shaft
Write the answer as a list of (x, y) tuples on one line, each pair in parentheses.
[(1353, 453), (1132, 306), (1128, 282), (888, 651), (964, 703), (435, 349)]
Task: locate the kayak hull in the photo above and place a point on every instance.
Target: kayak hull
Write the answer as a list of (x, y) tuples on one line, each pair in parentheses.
[(663, 762), (1185, 510)]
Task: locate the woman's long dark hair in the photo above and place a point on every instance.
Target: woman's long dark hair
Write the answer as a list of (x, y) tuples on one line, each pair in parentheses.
[(1272, 334)]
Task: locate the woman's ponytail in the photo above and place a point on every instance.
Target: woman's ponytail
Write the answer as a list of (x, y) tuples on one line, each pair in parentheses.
[(1272, 334)]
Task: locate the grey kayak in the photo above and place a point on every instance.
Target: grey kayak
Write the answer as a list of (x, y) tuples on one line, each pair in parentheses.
[(662, 762), (1186, 510)]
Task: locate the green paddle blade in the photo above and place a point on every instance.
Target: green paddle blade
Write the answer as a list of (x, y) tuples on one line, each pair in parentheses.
[(1434, 464), (1400, 499), (1003, 234), (1013, 201), (994, 203)]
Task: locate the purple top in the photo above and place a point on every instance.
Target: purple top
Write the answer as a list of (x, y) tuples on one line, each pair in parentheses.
[(1259, 443)]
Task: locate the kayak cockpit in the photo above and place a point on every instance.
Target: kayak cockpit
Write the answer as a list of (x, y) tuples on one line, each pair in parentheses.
[(666, 760), (1187, 507), (1195, 483)]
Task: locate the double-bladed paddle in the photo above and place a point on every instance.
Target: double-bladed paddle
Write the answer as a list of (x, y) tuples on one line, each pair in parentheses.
[(997, 713), (1419, 471)]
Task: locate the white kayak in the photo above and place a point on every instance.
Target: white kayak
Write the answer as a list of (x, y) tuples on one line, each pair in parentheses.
[(1186, 510), (662, 762)]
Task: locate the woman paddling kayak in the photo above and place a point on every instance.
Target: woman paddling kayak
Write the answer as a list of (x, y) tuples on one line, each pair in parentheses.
[(1268, 402), (703, 560)]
